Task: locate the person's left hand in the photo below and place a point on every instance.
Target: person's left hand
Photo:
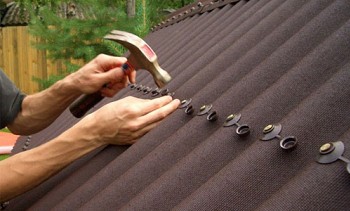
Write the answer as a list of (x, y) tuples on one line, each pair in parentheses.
[(124, 121), (104, 74)]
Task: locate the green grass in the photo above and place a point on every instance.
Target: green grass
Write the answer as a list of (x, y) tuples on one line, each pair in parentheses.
[(3, 157), (5, 130)]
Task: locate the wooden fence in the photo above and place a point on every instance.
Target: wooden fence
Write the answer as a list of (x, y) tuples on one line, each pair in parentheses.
[(21, 61)]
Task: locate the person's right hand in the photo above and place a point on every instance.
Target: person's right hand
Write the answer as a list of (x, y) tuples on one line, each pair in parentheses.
[(124, 121), (100, 71)]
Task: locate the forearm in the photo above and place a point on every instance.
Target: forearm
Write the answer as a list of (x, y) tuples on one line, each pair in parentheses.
[(28, 169), (41, 109)]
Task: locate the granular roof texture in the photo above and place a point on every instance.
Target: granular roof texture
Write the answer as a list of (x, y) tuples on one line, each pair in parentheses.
[(281, 62)]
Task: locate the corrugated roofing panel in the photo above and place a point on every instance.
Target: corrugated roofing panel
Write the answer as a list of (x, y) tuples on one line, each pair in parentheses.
[(272, 61)]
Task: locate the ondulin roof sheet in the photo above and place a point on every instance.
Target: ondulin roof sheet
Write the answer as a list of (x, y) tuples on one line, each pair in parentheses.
[(277, 65)]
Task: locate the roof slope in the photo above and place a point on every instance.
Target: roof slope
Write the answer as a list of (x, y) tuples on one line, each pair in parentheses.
[(272, 61)]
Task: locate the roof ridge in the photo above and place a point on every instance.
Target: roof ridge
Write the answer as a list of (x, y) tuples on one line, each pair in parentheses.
[(199, 7)]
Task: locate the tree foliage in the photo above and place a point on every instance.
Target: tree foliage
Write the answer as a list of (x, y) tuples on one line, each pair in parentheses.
[(66, 37)]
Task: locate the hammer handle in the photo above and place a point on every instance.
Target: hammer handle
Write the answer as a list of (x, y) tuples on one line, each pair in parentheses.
[(82, 105)]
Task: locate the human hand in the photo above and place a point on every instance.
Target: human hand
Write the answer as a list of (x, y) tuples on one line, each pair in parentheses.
[(103, 69), (123, 122)]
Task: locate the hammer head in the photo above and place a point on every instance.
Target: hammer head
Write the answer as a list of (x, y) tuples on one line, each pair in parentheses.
[(141, 55)]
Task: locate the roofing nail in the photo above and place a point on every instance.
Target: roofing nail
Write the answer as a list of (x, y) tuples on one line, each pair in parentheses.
[(243, 130), (155, 92), (164, 92), (212, 116), (268, 129), (139, 87), (273, 131), (27, 142), (189, 110), (288, 143), (327, 148), (171, 94), (232, 120), (146, 90), (185, 103), (204, 109), (133, 86), (331, 152)]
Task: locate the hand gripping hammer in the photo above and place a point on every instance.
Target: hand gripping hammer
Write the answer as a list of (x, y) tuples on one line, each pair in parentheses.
[(141, 57)]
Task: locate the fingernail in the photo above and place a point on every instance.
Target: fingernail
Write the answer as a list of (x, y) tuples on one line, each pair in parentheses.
[(125, 67), (168, 96)]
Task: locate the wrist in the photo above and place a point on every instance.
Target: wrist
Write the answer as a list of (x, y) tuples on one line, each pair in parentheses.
[(87, 131), (70, 85)]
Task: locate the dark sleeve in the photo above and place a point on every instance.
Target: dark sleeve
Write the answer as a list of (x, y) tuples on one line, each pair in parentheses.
[(10, 100)]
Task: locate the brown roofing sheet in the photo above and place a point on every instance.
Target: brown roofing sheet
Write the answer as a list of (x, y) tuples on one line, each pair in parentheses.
[(272, 61)]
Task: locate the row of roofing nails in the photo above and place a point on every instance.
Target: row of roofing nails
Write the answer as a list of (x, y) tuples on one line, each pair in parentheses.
[(192, 9), (328, 152), (270, 131)]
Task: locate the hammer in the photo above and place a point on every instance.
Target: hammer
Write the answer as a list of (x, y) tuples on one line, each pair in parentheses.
[(141, 57)]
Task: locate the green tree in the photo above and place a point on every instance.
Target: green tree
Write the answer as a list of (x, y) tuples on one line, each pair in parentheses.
[(65, 35)]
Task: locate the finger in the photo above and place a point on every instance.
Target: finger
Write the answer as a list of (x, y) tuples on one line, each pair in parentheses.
[(159, 114), (112, 76), (129, 71), (151, 105), (132, 76), (111, 89), (107, 62)]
